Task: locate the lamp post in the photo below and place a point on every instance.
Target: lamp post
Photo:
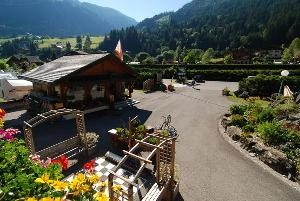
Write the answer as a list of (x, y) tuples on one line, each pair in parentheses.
[(284, 73)]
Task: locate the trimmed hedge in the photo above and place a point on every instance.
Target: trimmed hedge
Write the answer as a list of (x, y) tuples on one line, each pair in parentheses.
[(263, 85), (232, 73), (220, 66)]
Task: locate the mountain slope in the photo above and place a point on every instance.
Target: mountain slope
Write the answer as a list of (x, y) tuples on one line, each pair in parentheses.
[(223, 24), (58, 18)]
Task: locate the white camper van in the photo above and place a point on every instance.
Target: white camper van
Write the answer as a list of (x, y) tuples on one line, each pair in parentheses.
[(14, 89)]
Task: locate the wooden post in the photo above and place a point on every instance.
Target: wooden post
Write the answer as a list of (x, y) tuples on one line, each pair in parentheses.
[(130, 192), (87, 92), (110, 186), (130, 89), (63, 92), (130, 133), (158, 163)]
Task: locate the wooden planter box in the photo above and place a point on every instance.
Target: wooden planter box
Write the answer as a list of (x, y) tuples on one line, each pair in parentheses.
[(92, 150), (123, 142)]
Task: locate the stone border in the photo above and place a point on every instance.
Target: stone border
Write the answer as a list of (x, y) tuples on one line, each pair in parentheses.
[(255, 160)]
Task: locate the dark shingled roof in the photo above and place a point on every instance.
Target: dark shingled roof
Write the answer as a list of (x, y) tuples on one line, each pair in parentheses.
[(61, 67)]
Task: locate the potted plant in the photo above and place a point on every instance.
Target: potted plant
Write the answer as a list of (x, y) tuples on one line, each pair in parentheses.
[(91, 139)]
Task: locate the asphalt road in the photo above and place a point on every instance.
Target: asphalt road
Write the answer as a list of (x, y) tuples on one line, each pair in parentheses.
[(209, 167)]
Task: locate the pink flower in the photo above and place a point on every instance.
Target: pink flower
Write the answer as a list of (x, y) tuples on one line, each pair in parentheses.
[(8, 134)]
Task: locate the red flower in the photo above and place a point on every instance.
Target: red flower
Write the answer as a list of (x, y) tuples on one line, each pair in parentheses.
[(2, 113), (62, 160), (90, 166)]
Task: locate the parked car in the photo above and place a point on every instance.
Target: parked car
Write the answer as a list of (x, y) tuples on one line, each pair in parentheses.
[(199, 79)]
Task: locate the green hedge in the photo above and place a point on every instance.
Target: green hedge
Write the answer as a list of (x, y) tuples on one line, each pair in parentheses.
[(216, 72), (221, 66), (263, 85)]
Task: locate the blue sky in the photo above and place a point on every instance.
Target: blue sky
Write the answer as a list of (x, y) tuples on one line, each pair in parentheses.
[(141, 9)]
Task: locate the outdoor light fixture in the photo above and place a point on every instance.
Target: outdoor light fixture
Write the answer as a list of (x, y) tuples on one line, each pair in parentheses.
[(285, 73)]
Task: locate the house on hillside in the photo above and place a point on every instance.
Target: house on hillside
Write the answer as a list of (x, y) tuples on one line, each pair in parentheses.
[(73, 52), (81, 81), (241, 56), (19, 60)]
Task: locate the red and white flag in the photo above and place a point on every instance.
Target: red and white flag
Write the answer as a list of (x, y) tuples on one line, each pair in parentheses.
[(119, 51)]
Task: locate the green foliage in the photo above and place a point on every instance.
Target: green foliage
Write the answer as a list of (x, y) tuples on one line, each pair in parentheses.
[(193, 56), (265, 115), (79, 42), (226, 92), (168, 56), (273, 133), (68, 46), (87, 44), (127, 58), (238, 109), (287, 56), (295, 48), (140, 57), (3, 65), (148, 60), (18, 172), (238, 120), (207, 56), (263, 85), (248, 128), (123, 132), (228, 59), (289, 107)]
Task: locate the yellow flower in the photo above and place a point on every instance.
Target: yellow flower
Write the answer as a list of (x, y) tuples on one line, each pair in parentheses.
[(80, 177), (103, 184), (1, 123), (59, 185), (117, 188), (85, 188), (101, 197), (74, 184), (43, 179), (47, 199), (94, 179), (31, 199), (76, 193)]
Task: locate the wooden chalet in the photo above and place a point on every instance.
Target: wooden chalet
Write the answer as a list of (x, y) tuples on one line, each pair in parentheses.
[(81, 82), (20, 59)]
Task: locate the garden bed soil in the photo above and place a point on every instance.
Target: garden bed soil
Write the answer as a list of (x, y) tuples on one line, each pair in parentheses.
[(271, 156)]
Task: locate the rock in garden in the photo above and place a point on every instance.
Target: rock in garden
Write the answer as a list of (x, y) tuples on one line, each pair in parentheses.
[(234, 132), (244, 95)]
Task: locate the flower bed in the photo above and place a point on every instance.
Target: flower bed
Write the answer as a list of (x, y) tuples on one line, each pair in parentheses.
[(269, 131), (27, 177)]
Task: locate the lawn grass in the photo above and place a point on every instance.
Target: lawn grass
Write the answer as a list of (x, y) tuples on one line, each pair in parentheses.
[(242, 101), (44, 43), (47, 42), (2, 100)]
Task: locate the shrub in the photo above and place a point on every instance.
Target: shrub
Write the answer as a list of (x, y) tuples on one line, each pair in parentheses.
[(226, 91), (91, 139), (288, 107), (273, 133), (238, 120), (238, 109), (249, 128), (266, 114), (263, 85)]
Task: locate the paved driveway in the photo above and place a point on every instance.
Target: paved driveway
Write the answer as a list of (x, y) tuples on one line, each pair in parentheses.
[(210, 168)]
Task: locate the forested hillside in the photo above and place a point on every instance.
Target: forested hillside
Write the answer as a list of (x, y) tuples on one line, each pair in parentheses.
[(220, 24), (58, 18)]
